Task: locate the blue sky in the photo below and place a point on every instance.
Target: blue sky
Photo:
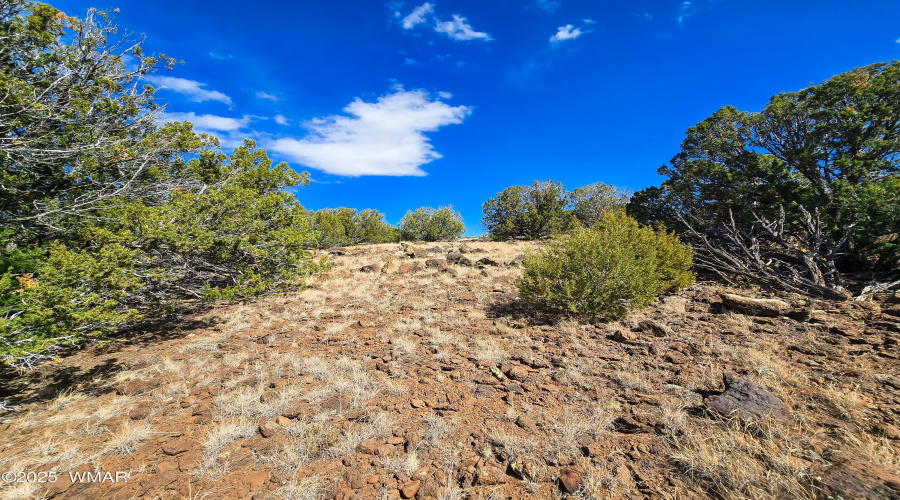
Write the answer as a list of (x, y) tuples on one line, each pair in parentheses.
[(397, 105)]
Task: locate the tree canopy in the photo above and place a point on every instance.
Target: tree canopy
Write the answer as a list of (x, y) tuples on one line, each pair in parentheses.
[(545, 208), (103, 209), (797, 195)]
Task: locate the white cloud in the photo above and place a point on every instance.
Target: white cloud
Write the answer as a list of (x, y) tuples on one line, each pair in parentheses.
[(459, 29), (409, 62), (386, 137), (281, 120), (445, 95), (265, 95), (206, 123), (221, 57), (418, 16), (193, 89), (685, 6), (898, 40), (567, 32), (548, 5)]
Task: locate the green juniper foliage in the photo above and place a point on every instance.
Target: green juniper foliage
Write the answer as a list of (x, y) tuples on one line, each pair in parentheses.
[(104, 211), (606, 270), (546, 208), (795, 196), (346, 226), (428, 224)]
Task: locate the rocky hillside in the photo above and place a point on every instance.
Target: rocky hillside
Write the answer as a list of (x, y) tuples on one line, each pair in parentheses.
[(415, 373)]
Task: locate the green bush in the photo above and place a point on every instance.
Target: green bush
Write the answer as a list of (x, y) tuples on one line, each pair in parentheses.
[(607, 270), (532, 212), (345, 226), (78, 294), (428, 224)]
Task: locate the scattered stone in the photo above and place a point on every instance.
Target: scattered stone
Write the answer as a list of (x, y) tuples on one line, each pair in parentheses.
[(676, 358), (337, 251), (489, 475), (436, 264), (858, 480), (675, 304), (518, 373), (371, 268), (410, 489), (367, 447), (178, 446), (269, 429), (627, 425), (657, 329), (417, 403), (464, 248), (486, 261), (570, 480), (748, 399), (887, 430), (526, 422), (888, 380), (409, 267), (460, 259), (255, 480), (893, 310), (756, 307), (624, 336), (390, 267)]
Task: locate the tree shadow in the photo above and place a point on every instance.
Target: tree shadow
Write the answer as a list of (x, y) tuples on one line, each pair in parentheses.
[(47, 380)]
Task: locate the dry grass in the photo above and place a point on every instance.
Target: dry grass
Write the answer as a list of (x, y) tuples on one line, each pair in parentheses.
[(738, 458), (376, 426), (307, 488), (437, 429), (407, 464), (222, 433), (125, 440), (512, 445)]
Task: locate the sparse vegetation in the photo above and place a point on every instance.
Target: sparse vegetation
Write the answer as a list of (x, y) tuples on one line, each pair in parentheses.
[(608, 270)]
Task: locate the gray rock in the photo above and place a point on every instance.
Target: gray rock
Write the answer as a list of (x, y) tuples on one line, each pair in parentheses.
[(756, 307), (747, 399)]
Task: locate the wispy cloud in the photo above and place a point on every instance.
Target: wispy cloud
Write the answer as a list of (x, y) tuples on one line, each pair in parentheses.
[(216, 55), (281, 120), (684, 11), (386, 137), (265, 95), (192, 89), (206, 123), (646, 15), (419, 15), (898, 40), (458, 28), (548, 5), (567, 32), (410, 61)]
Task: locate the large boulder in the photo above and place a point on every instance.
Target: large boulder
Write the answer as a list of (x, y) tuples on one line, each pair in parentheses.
[(747, 399), (756, 307)]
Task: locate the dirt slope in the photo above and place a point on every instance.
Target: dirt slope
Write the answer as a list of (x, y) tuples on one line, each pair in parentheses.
[(434, 382)]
